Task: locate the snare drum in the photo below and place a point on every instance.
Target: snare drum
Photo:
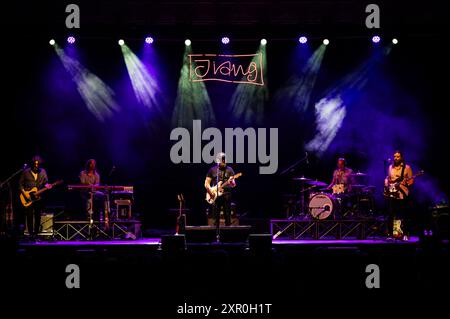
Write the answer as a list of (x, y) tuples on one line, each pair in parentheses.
[(322, 205)]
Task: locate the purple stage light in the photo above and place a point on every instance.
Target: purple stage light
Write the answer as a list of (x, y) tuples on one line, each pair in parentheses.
[(376, 39), (149, 40), (225, 40), (303, 40), (71, 40)]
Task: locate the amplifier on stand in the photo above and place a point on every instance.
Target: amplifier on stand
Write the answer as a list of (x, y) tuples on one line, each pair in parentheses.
[(123, 208)]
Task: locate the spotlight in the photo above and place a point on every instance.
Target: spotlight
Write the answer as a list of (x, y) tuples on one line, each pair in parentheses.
[(187, 42), (71, 40), (121, 42), (376, 39), (52, 42), (394, 41), (303, 40), (263, 41), (225, 40), (149, 40), (326, 41)]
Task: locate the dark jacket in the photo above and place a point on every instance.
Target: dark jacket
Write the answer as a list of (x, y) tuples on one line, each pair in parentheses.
[(27, 180)]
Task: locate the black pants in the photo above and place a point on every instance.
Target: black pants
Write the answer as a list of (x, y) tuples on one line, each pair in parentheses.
[(222, 203), (398, 209), (33, 217), (93, 208)]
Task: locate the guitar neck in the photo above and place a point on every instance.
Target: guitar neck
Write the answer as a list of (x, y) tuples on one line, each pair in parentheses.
[(228, 181), (41, 191)]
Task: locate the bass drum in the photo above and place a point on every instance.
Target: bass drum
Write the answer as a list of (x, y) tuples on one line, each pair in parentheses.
[(322, 205)]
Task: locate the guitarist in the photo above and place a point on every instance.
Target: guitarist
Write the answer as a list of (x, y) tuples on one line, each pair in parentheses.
[(34, 176), (401, 173), (221, 173)]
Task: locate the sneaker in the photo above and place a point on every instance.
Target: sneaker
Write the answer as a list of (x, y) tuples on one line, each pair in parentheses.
[(405, 238)]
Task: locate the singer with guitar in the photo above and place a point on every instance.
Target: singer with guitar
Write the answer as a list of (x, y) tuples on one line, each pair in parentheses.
[(219, 197), (397, 190), (33, 177)]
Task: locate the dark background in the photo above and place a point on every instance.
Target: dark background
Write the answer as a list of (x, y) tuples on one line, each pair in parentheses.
[(402, 105)]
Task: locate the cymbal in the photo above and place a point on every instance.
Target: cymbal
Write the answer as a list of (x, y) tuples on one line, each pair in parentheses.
[(358, 186), (317, 183), (358, 174), (302, 179)]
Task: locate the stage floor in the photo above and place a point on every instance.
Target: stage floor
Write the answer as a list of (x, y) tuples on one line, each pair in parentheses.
[(276, 242)]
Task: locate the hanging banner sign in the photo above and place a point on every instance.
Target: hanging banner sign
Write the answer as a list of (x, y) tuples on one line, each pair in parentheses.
[(232, 68)]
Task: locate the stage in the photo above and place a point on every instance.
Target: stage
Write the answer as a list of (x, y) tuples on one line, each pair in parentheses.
[(311, 131)]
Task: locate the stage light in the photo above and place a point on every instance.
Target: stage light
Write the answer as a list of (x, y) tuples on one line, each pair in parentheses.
[(394, 41), (225, 40), (303, 40), (144, 82), (121, 42), (376, 39), (263, 41), (52, 42), (96, 94), (71, 40), (326, 41), (149, 40), (187, 42)]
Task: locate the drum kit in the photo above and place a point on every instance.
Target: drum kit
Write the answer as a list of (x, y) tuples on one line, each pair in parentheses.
[(318, 201)]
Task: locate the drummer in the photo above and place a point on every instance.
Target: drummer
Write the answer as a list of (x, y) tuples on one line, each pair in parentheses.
[(342, 178)]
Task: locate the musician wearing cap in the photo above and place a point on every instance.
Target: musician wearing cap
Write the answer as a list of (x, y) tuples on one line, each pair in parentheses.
[(219, 182), (34, 177), (397, 189), (91, 199), (342, 178)]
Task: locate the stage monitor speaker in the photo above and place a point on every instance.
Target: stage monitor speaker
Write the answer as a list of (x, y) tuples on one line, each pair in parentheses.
[(173, 243), (260, 242)]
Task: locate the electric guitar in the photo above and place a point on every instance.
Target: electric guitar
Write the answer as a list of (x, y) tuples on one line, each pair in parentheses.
[(217, 190), (393, 188), (34, 194), (397, 231), (181, 219)]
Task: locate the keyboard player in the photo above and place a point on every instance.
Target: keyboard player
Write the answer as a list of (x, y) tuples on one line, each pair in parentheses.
[(94, 201)]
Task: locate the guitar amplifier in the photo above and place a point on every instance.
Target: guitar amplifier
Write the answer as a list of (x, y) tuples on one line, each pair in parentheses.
[(46, 228)]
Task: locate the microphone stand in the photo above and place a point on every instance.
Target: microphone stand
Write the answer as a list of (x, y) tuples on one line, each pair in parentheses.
[(9, 218), (291, 168), (216, 208)]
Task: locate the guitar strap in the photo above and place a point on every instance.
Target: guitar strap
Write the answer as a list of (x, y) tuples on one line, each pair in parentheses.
[(402, 176)]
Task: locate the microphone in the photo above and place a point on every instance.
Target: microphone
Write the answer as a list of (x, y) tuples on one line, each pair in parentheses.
[(389, 160), (307, 162), (25, 166)]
